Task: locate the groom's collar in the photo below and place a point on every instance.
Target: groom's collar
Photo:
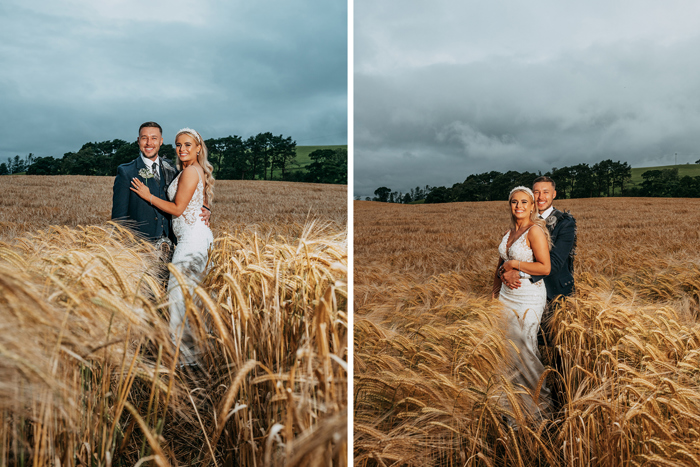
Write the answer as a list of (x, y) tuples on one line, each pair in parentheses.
[(148, 161), (547, 213)]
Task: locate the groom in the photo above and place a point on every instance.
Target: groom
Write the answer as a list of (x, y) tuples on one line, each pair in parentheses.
[(157, 173)]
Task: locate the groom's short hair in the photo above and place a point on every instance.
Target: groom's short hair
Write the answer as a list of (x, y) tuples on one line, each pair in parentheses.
[(545, 178), (150, 125)]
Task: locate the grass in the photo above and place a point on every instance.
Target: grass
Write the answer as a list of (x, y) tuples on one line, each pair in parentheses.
[(429, 345), (303, 160), (692, 170), (88, 372), (303, 152)]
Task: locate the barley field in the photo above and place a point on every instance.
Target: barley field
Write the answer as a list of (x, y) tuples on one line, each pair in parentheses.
[(429, 346), (88, 371)]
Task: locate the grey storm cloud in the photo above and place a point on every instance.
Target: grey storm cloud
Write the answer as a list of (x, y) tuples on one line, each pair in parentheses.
[(522, 91), (79, 71)]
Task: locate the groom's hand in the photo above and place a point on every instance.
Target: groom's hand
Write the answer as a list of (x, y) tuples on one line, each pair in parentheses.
[(511, 279), (205, 215)]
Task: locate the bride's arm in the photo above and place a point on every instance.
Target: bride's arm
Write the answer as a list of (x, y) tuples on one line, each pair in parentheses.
[(185, 189), (495, 291), (540, 249)]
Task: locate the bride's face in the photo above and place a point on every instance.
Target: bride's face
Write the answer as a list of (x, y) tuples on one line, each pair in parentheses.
[(521, 205), (187, 149)]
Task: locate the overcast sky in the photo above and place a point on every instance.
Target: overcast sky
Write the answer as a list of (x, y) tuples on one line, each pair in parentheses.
[(74, 71), (449, 88)]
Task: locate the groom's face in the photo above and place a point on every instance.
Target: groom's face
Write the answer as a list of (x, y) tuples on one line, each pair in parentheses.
[(150, 141), (544, 195)]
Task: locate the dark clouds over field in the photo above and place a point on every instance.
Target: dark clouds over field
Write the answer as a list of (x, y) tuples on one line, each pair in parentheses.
[(468, 87), (77, 71)]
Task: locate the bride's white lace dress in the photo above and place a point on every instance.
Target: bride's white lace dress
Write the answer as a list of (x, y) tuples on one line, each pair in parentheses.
[(190, 257), (523, 309)]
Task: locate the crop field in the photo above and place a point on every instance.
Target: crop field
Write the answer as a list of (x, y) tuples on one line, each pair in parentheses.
[(88, 371), (429, 347)]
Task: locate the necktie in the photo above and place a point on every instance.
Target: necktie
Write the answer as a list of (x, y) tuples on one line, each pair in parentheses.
[(156, 173)]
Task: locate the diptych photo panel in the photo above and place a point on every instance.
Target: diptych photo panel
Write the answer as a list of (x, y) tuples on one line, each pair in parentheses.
[(349, 233), (526, 267), (174, 233)]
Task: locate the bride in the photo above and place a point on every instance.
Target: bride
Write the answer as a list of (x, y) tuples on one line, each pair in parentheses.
[(189, 191), (525, 248)]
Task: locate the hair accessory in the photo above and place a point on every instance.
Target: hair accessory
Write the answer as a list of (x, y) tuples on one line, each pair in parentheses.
[(516, 189), (197, 136)]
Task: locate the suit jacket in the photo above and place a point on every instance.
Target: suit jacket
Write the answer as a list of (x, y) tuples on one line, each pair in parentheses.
[(562, 230), (138, 213)]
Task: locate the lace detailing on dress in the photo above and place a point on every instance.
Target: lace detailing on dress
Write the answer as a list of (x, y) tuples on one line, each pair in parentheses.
[(523, 310), (518, 251), (191, 213), (194, 239)]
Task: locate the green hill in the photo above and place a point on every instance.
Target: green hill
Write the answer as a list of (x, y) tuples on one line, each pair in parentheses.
[(691, 170), (303, 153)]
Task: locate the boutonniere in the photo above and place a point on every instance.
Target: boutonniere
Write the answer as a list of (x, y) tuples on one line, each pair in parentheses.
[(551, 221), (145, 173)]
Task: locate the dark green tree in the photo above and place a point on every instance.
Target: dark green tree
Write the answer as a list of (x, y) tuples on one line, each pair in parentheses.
[(564, 180), (659, 183), (603, 173), (621, 174), (284, 153), (329, 166), (4, 170), (45, 166), (687, 187), (469, 190), (256, 147), (127, 152), (382, 194), (83, 162), (584, 181), (18, 165), (230, 158), (438, 194)]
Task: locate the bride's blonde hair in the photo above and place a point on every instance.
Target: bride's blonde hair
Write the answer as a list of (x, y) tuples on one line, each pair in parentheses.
[(534, 214), (203, 159)]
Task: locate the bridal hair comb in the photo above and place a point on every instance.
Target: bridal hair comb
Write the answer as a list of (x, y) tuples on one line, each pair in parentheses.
[(521, 188)]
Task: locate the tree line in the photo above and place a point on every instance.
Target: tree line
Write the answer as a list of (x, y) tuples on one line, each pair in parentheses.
[(260, 157), (606, 178)]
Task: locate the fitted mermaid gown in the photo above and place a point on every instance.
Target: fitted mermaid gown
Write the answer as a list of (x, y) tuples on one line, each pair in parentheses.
[(523, 310), (190, 257)]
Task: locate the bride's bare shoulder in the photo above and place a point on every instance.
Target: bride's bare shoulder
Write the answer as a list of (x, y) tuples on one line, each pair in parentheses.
[(537, 232)]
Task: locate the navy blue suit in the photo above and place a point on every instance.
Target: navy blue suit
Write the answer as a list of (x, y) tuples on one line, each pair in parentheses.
[(562, 230), (138, 213)]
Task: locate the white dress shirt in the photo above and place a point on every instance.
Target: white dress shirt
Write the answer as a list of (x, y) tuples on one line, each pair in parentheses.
[(149, 162)]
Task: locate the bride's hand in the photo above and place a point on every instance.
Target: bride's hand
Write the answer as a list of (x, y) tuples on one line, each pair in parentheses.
[(138, 187), (509, 265)]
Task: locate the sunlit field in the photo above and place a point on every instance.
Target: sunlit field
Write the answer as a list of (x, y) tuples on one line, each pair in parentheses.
[(88, 372), (429, 346)]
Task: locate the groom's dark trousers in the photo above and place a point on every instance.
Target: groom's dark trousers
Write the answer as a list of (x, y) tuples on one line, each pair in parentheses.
[(138, 213)]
